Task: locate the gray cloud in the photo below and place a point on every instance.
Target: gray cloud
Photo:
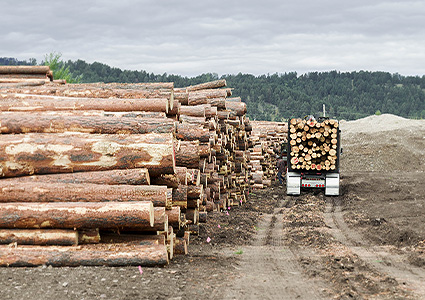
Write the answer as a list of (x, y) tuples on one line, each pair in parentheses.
[(226, 37)]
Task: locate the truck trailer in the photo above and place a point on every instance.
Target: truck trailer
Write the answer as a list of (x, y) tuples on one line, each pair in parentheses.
[(314, 148)]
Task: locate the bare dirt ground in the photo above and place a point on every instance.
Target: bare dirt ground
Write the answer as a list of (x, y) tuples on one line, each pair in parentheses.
[(367, 243)]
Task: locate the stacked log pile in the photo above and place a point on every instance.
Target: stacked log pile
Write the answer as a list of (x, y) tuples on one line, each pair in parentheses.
[(108, 167), (267, 138), (76, 175), (314, 145), (25, 75)]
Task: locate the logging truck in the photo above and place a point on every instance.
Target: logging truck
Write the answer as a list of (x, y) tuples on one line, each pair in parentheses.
[(313, 155)]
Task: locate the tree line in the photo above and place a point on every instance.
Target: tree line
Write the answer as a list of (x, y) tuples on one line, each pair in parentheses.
[(276, 97)]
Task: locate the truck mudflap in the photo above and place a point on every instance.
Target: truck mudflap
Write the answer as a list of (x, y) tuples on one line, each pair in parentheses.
[(293, 183), (332, 184)]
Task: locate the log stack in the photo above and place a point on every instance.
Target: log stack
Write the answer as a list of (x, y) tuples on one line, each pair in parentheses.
[(313, 145), (16, 76), (77, 171), (81, 153), (266, 138)]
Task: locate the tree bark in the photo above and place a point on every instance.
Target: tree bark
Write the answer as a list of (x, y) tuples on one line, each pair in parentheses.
[(59, 237), (207, 85), (134, 215), (138, 176), (24, 69), (37, 153), (34, 122), (112, 255), (187, 154), (192, 132), (11, 102), (78, 192)]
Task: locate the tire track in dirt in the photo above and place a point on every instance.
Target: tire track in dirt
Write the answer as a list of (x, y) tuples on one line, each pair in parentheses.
[(378, 257), (268, 269)]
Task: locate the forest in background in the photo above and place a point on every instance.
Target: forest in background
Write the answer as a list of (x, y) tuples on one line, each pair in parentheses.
[(276, 97)]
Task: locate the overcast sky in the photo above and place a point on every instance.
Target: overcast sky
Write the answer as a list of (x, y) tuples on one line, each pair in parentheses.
[(191, 37)]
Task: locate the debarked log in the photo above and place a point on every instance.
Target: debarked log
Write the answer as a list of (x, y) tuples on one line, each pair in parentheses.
[(87, 192), (112, 255), (138, 176), (42, 153), (11, 122), (135, 215)]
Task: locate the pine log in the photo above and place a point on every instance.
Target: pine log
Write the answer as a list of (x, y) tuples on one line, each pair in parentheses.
[(237, 108), (192, 132), (38, 153), (138, 176), (59, 237), (174, 218), (87, 192), (180, 196), (169, 180), (194, 177), (194, 111), (182, 97), (187, 154), (88, 236), (112, 255), (207, 85), (180, 246), (181, 173), (23, 123), (192, 215), (194, 191), (132, 215), (24, 70), (11, 102)]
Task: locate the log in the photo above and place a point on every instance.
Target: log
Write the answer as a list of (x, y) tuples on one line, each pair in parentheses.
[(11, 102), (180, 196), (38, 153), (174, 218), (187, 154), (34, 122), (169, 180), (192, 132), (111, 255), (238, 108), (194, 111), (181, 173), (207, 85), (88, 236), (192, 215), (133, 215), (59, 237), (138, 176), (194, 177), (24, 70), (87, 192), (180, 246), (194, 191)]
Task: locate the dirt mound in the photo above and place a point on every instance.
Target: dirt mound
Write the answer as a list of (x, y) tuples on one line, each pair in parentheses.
[(383, 143), (381, 123)]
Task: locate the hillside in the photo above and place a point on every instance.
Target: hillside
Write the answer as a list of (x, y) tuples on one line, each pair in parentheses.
[(346, 95)]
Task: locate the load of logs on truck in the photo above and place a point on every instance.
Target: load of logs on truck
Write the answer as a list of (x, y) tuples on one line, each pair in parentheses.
[(115, 174), (313, 155)]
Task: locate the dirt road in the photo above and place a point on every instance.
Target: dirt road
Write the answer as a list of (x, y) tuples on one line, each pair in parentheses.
[(368, 243)]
